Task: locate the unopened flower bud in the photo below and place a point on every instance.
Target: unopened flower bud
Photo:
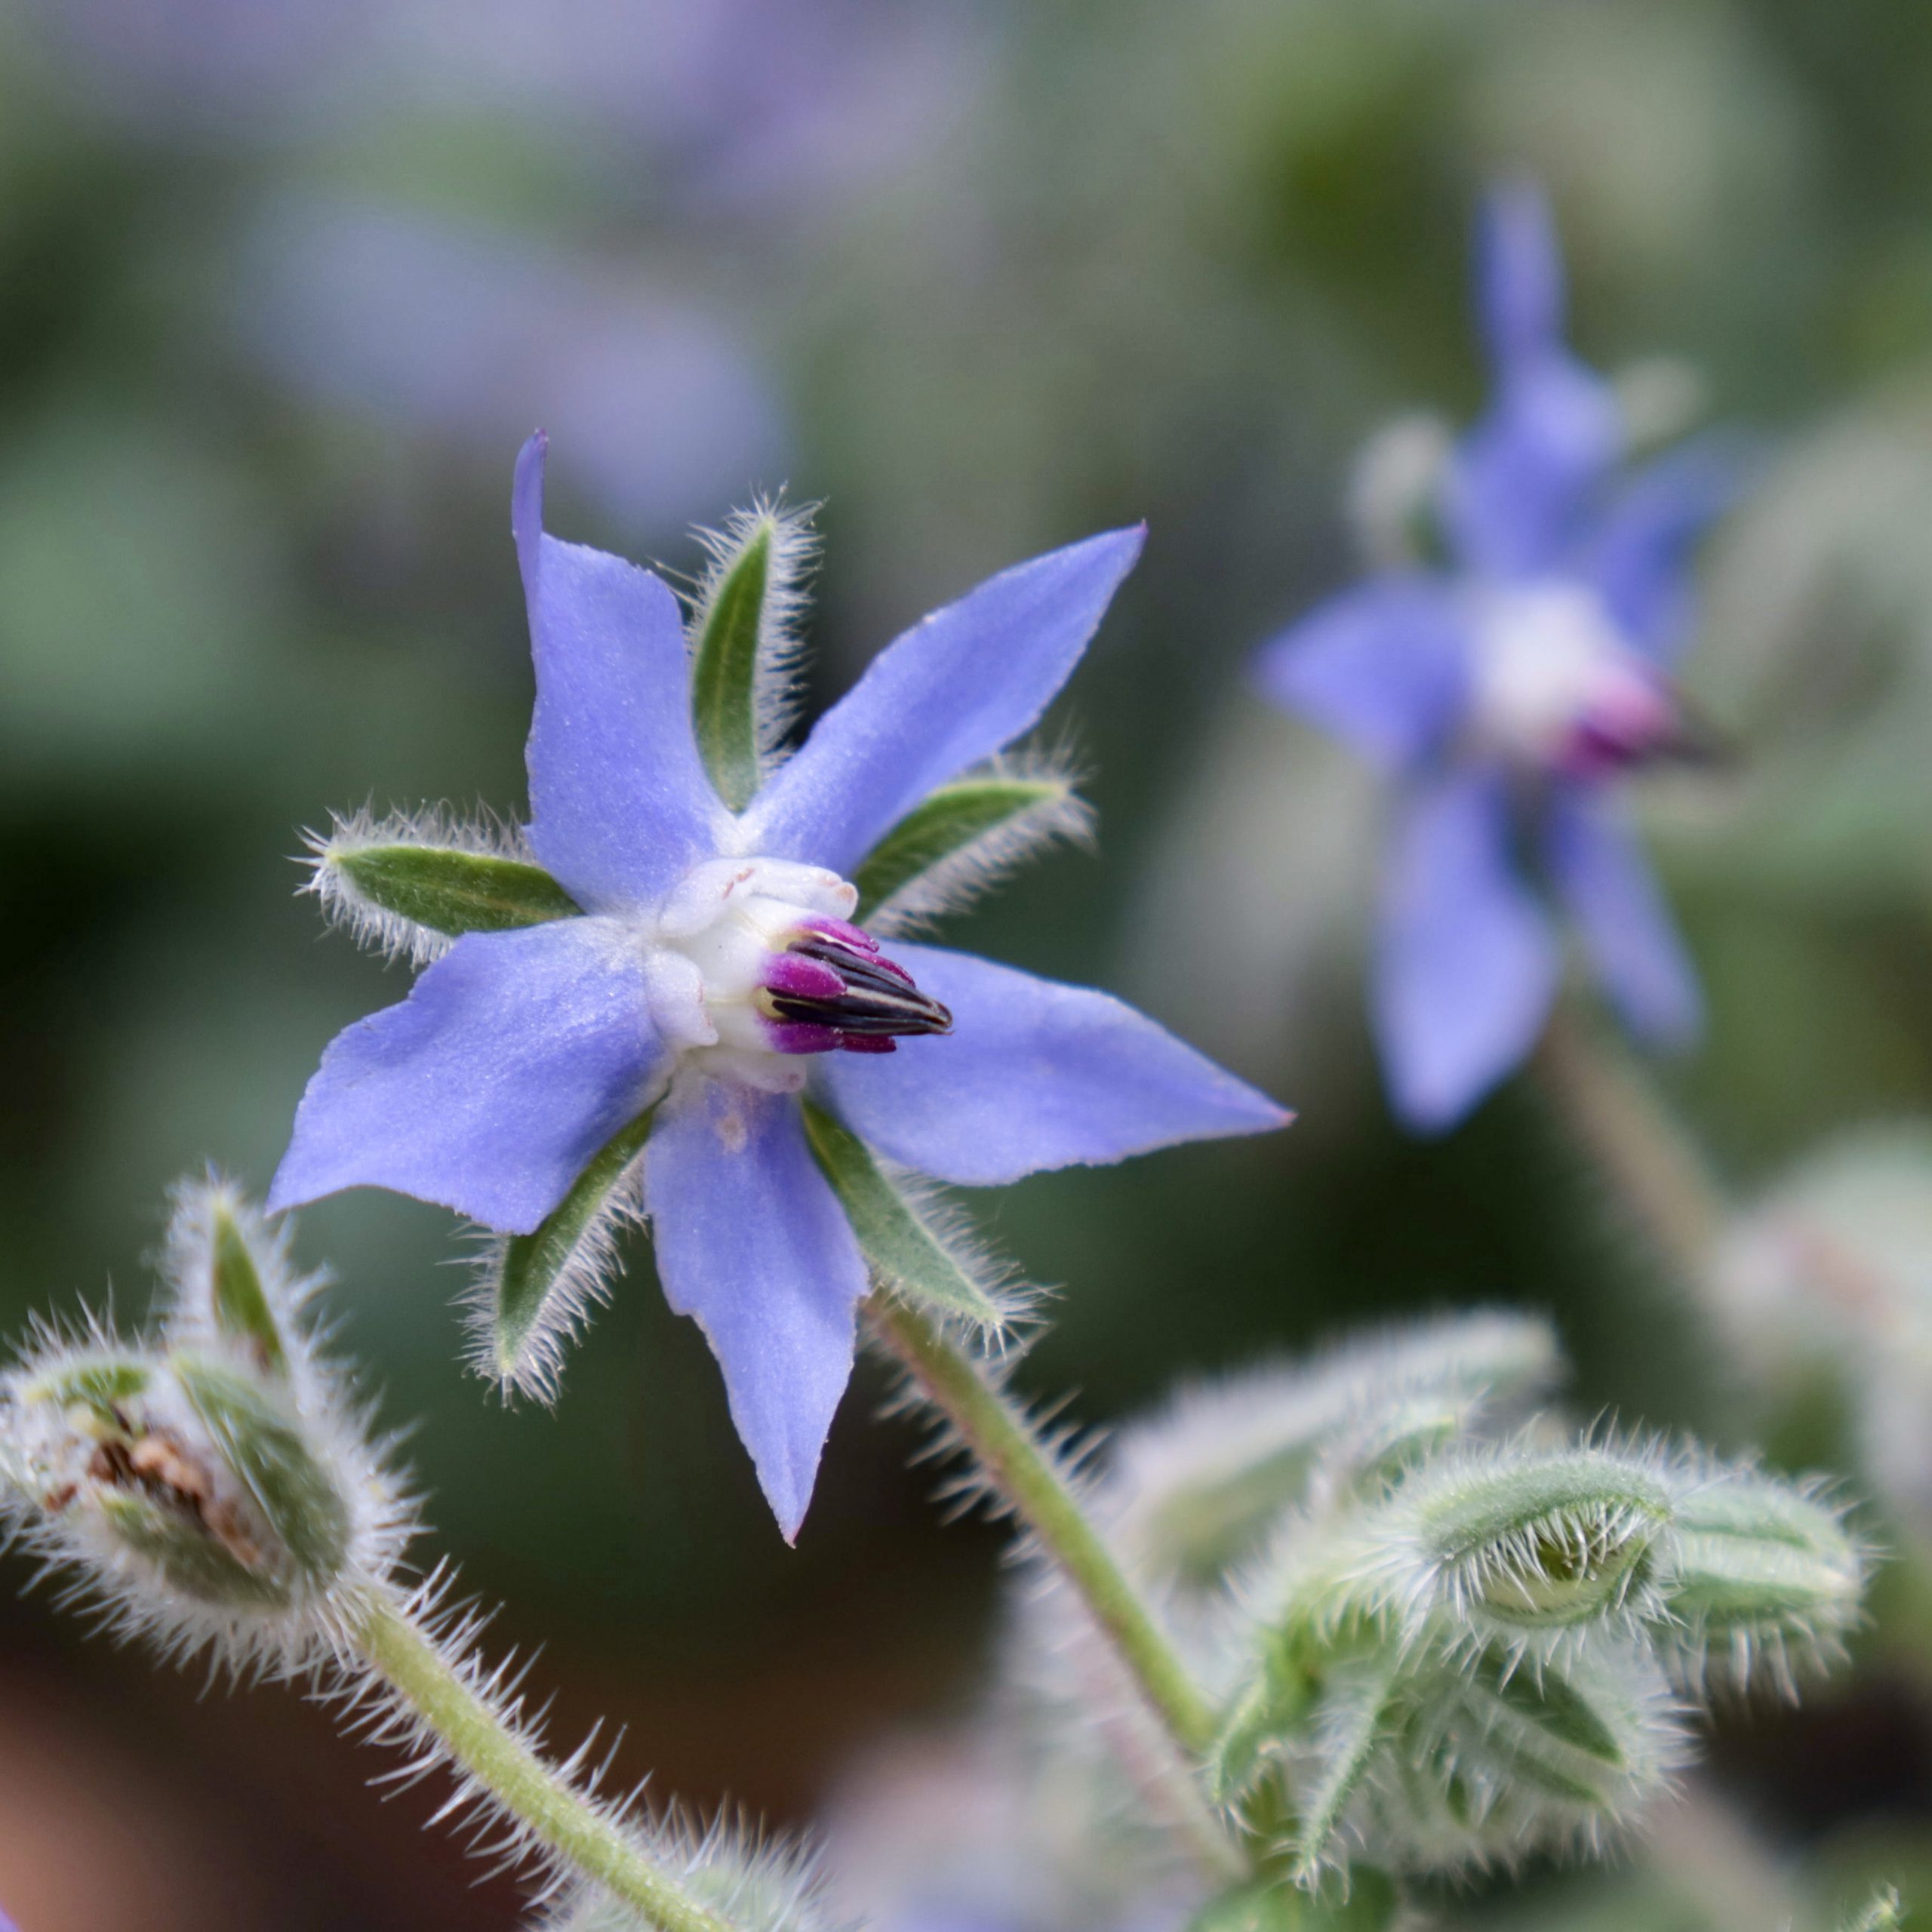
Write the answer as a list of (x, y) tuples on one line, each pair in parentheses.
[(1764, 1581), (1524, 1541), (212, 1485), (1501, 1756)]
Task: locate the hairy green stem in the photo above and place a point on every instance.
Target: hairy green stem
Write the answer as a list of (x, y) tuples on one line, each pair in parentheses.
[(1015, 1462), (1010, 1453), (1658, 1172), (555, 1813)]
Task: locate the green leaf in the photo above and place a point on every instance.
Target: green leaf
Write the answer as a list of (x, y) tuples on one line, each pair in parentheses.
[(902, 1249), (725, 671), (535, 1265), (946, 823), (240, 1304), (449, 889)]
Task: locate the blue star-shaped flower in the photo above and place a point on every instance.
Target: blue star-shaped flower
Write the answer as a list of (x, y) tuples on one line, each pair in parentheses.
[(1508, 693), (706, 972)]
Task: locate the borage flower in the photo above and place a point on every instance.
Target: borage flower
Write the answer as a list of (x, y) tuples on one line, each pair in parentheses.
[(670, 957), (1509, 692)]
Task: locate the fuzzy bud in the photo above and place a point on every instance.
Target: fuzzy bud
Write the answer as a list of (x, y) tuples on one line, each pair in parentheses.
[(1525, 1542), (1764, 1580), (1497, 1757), (212, 1485)]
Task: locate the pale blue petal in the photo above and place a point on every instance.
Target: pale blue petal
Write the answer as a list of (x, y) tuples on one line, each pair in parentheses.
[(1383, 667), (959, 686), (516, 1056), (752, 1244), (620, 804), (1524, 477), (1523, 480), (1639, 555), (1519, 275), (1034, 1075), (1612, 894), (1465, 964)]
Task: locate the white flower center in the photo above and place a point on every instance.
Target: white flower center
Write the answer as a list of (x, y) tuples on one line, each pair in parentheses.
[(1557, 686), (753, 965)]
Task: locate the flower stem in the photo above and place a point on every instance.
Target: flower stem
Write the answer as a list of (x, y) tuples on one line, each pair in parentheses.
[(1659, 1173), (534, 1792), (1010, 1453)]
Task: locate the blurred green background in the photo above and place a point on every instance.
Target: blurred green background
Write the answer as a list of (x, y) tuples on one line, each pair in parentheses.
[(282, 286)]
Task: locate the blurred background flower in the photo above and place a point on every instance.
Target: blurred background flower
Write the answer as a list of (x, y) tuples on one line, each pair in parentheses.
[(281, 289)]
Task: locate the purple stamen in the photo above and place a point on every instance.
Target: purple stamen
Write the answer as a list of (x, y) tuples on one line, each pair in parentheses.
[(831, 988)]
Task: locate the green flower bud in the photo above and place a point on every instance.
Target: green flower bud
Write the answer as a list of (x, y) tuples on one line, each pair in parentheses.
[(1764, 1580), (1498, 1756), (1525, 1541), (214, 1486)]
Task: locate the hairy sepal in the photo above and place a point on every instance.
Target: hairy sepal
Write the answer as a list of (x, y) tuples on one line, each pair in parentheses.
[(534, 1293), (410, 885), (965, 838), (1495, 1758), (744, 642), (906, 1242), (1765, 1580)]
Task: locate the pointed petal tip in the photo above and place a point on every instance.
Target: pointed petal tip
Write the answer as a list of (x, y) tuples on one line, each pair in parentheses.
[(527, 503)]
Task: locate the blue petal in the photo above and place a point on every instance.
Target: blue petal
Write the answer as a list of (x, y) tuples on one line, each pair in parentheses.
[(514, 1058), (1612, 894), (959, 686), (752, 1242), (1383, 667), (1034, 1075), (1524, 475), (620, 804), (1640, 555), (1523, 479), (1519, 275), (1466, 965)]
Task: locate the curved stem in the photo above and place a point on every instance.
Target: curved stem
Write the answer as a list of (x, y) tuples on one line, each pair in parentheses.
[(1657, 1171), (996, 1431), (533, 1791)]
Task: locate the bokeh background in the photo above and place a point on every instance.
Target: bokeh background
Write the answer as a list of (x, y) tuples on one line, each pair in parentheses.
[(282, 287)]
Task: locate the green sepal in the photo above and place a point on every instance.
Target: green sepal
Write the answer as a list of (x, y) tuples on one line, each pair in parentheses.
[(724, 670), (1262, 1713), (534, 1263), (1541, 1731), (450, 890), (901, 1249), (1351, 1721), (264, 1448), (948, 821), (99, 1386), (195, 1561), (238, 1302)]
